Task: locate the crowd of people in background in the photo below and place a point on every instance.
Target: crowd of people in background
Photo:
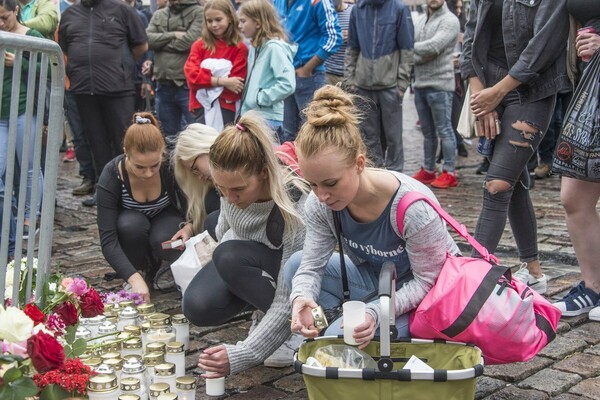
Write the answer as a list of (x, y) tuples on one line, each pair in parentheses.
[(180, 113)]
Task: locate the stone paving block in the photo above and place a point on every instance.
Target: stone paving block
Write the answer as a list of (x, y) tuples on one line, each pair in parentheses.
[(561, 347), (562, 327), (261, 393), (232, 334), (259, 375), (291, 383), (590, 388), (302, 395), (517, 371), (590, 332), (550, 381), (576, 321), (568, 396), (586, 365), (593, 350), (486, 386), (512, 392)]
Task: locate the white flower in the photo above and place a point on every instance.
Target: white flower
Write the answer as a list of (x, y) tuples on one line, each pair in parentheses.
[(52, 287), (15, 326)]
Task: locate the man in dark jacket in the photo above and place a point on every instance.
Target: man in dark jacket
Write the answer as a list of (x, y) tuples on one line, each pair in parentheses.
[(102, 39), (378, 61), (171, 33)]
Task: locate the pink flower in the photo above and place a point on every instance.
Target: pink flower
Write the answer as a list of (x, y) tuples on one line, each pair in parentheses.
[(16, 349), (78, 287), (66, 282), (55, 324)]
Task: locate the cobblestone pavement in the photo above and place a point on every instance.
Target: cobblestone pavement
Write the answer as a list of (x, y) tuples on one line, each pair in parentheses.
[(569, 368)]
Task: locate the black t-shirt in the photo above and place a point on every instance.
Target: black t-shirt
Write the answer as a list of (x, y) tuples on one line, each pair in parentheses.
[(586, 12), (496, 52)]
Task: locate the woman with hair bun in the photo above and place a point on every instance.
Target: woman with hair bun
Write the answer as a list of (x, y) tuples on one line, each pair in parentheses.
[(139, 206), (331, 155)]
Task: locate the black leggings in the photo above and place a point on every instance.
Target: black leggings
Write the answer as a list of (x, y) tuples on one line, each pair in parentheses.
[(242, 276), (140, 237)]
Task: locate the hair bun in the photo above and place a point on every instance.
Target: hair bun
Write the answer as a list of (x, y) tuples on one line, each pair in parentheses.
[(331, 106)]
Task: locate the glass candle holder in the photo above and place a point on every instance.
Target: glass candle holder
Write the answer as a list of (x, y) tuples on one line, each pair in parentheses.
[(186, 387), (176, 355), (165, 373), (103, 387), (182, 330)]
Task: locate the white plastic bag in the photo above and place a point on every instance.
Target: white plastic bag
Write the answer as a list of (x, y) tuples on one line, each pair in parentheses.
[(467, 118), (198, 252)]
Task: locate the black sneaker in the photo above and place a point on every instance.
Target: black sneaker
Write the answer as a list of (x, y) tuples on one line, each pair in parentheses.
[(462, 150), (483, 167), (90, 202)]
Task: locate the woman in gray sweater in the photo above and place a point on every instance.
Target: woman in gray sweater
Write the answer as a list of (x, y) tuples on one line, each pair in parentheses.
[(259, 227), (332, 158)]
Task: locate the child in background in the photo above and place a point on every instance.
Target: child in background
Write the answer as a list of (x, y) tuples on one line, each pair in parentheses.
[(216, 67), (271, 75), (334, 65)]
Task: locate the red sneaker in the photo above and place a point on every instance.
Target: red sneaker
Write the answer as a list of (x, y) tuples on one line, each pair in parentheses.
[(69, 156), (424, 176), (445, 180)]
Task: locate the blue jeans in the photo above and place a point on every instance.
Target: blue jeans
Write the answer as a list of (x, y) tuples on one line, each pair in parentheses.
[(435, 113), (173, 107), (363, 282), (3, 166), (294, 104)]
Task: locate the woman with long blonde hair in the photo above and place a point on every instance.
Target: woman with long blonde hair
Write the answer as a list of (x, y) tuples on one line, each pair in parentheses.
[(190, 163), (260, 226)]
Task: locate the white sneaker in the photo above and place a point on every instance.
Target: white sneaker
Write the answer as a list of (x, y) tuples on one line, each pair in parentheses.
[(284, 355), (594, 314), (540, 285)]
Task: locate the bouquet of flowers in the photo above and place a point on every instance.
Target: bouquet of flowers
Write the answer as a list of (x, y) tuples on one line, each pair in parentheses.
[(44, 340)]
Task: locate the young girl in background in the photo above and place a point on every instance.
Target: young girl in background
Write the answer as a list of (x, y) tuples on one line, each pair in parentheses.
[(271, 75), (216, 67)]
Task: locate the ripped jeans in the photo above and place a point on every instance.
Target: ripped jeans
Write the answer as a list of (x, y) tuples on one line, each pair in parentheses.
[(522, 128)]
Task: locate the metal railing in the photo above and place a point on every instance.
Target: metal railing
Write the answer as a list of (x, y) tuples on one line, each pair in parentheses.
[(34, 59)]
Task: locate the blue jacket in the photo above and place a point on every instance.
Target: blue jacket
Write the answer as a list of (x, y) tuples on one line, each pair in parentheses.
[(271, 78), (380, 45), (313, 26)]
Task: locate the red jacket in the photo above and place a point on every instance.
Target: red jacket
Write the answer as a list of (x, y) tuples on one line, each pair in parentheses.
[(200, 78)]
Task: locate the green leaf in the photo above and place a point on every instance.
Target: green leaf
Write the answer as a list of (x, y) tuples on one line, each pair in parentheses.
[(68, 351), (70, 335), (12, 375), (25, 386), (8, 358), (79, 347), (18, 390), (54, 392)]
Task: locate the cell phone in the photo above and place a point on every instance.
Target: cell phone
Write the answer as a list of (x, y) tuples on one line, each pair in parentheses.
[(171, 244)]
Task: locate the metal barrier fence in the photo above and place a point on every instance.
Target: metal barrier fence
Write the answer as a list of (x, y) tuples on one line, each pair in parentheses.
[(33, 59)]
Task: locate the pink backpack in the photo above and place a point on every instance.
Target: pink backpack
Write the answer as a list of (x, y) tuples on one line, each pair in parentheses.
[(478, 301)]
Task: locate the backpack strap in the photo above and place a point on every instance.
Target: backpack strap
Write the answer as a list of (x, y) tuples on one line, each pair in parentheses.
[(410, 197)]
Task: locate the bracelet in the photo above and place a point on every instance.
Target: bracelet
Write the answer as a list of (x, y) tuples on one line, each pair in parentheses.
[(184, 223), (217, 81)]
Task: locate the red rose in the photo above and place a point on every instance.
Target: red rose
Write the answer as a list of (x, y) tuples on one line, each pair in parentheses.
[(33, 312), (68, 312), (45, 352), (91, 304)]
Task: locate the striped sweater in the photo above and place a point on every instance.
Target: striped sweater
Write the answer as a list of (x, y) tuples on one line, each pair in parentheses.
[(274, 328)]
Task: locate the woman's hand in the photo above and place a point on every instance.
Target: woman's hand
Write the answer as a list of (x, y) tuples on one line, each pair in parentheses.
[(488, 125), (138, 285), (184, 234), (485, 101), (302, 319), (214, 360), (365, 332), (587, 44), (9, 59), (235, 84)]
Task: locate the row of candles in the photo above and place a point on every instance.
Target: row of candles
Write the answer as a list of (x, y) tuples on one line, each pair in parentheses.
[(138, 354)]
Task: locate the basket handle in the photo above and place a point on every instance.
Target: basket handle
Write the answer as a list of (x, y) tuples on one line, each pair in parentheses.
[(387, 292)]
